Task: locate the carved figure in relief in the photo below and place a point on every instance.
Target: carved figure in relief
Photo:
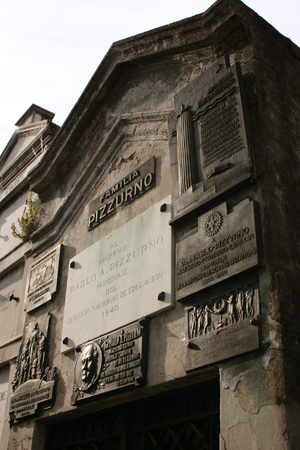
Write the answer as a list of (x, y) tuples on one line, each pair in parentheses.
[(200, 320), (25, 362), (230, 303), (240, 305), (194, 322), (222, 312), (206, 316), (41, 352), (218, 308), (31, 379), (31, 358), (249, 303), (33, 350), (47, 269), (89, 361), (34, 365), (41, 274), (35, 279)]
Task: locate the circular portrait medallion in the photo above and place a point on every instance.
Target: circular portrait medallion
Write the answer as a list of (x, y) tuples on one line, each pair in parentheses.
[(88, 366)]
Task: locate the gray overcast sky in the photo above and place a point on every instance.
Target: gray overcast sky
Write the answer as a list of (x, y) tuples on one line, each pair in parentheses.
[(50, 50)]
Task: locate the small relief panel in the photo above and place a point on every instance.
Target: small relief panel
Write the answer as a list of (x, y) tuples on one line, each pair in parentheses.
[(42, 280), (34, 380), (122, 277), (223, 327), (135, 184), (208, 138), (111, 362), (224, 244)]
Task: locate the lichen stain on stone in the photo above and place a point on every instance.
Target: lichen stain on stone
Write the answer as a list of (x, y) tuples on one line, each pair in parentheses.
[(260, 389), (256, 383)]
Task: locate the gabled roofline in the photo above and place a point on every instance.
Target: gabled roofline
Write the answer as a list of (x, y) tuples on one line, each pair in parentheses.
[(217, 27), (46, 115)]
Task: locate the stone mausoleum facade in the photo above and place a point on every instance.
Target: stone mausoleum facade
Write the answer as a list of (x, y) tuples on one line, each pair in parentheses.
[(150, 296)]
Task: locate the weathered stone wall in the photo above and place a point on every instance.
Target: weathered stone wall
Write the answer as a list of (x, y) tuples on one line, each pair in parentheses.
[(118, 124)]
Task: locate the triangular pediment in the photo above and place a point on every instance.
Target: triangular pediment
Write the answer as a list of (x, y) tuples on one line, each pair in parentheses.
[(134, 58), (121, 116), (31, 139)]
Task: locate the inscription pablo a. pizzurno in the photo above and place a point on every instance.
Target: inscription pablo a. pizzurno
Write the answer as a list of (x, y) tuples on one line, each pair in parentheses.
[(120, 277), (111, 278), (223, 245), (214, 259)]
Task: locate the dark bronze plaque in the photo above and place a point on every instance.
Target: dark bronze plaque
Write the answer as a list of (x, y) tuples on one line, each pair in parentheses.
[(208, 138), (224, 244), (223, 327), (29, 396), (34, 381), (111, 362), (125, 191)]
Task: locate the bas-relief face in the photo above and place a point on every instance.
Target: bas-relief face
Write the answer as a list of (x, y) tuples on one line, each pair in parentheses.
[(88, 366), (88, 363)]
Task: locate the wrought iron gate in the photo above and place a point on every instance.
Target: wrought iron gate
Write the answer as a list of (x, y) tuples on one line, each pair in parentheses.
[(185, 419)]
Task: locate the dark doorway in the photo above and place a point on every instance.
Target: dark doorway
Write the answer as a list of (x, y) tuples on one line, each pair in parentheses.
[(186, 419)]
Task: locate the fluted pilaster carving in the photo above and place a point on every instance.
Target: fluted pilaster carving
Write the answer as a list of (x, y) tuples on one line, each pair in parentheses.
[(187, 169)]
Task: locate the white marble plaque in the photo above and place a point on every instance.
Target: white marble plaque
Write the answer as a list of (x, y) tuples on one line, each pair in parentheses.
[(120, 278)]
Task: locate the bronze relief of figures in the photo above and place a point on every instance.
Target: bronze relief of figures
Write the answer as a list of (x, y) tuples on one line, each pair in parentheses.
[(31, 358), (34, 381), (222, 312)]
